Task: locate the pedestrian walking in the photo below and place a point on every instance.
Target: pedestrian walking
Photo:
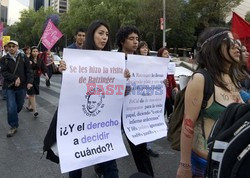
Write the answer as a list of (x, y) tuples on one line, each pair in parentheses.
[(219, 55), (127, 40), (38, 67), (18, 77), (172, 88), (49, 61), (97, 39), (27, 51), (143, 50), (4, 52)]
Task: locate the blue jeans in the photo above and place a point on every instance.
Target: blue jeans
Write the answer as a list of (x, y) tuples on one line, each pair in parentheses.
[(15, 101), (199, 165), (4, 94), (109, 170)]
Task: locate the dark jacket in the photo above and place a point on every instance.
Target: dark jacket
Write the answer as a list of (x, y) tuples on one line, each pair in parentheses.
[(73, 46), (24, 71), (39, 67)]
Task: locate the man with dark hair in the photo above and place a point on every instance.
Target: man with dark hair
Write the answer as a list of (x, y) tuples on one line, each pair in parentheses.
[(80, 39), (127, 40), (18, 76)]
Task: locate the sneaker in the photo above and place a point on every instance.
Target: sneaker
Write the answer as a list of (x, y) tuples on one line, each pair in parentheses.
[(152, 153), (12, 131)]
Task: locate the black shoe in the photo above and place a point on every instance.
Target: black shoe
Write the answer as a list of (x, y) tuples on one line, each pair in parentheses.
[(47, 83), (36, 114), (152, 153)]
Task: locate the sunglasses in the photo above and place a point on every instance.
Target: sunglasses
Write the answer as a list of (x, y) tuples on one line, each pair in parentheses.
[(12, 46), (233, 42)]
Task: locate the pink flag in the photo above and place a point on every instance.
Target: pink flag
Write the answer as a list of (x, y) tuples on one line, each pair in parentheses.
[(50, 35)]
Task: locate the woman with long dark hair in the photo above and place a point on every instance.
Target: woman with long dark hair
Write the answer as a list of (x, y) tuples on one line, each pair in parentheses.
[(39, 68), (97, 39), (219, 56)]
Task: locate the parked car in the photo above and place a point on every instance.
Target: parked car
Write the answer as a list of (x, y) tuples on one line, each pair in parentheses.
[(153, 53), (57, 60)]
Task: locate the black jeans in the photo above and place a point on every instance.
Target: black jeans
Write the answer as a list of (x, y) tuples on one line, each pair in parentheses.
[(50, 71), (109, 169), (141, 158), (168, 107)]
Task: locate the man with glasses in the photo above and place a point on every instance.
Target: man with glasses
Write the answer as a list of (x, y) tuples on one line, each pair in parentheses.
[(18, 77)]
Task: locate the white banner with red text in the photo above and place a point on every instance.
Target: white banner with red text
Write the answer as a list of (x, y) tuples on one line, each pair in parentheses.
[(89, 113)]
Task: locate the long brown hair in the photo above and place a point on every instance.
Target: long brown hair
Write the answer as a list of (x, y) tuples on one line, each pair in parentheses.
[(209, 56), (141, 44)]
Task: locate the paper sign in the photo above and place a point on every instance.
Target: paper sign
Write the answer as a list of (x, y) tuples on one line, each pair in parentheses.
[(143, 110), (89, 113)]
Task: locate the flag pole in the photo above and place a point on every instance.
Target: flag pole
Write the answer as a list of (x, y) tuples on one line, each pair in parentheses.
[(39, 42)]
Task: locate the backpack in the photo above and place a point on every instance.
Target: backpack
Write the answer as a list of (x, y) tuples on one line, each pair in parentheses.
[(176, 118), (229, 144), (50, 140)]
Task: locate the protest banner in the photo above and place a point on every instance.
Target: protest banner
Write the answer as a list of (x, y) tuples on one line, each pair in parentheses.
[(171, 68), (143, 109), (50, 35), (89, 113), (6, 39)]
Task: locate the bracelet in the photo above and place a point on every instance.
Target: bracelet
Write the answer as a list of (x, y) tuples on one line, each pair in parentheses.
[(185, 165)]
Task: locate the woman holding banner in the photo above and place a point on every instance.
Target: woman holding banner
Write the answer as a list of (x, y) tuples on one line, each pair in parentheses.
[(143, 50), (97, 39)]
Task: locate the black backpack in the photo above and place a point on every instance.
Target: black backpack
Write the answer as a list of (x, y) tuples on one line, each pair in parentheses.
[(229, 144), (176, 118), (50, 140)]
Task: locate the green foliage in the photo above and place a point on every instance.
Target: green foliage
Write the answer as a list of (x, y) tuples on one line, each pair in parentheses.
[(83, 12), (247, 17), (185, 18), (30, 28), (212, 12)]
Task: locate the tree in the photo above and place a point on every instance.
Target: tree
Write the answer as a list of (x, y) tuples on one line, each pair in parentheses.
[(185, 18), (247, 16), (83, 12), (212, 12), (30, 28)]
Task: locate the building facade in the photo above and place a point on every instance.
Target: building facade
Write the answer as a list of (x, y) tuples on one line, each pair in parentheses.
[(14, 9), (37, 4), (241, 10), (60, 6)]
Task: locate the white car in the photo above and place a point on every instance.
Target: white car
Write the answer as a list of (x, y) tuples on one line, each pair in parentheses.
[(57, 60)]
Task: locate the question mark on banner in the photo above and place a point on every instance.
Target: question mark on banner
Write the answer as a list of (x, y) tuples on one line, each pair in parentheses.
[(109, 145)]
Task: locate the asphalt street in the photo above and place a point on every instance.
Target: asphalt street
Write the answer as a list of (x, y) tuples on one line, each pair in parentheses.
[(22, 157)]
